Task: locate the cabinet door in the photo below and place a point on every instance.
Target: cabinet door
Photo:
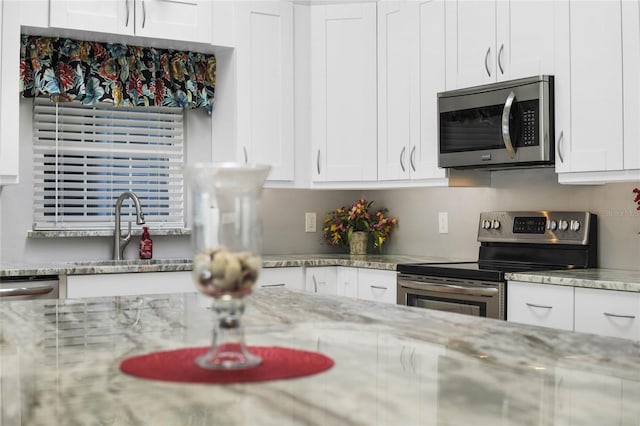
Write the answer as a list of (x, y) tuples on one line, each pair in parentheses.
[(589, 87), (608, 312), (116, 16), (188, 20), (525, 38), (396, 38), (540, 304), (343, 92), (475, 44), (265, 86), (377, 285), (292, 277), (631, 82), (430, 64), (347, 281), (9, 96), (321, 279)]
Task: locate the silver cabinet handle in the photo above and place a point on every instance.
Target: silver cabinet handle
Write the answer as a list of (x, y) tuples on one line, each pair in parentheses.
[(378, 287), (560, 141), (619, 316), (273, 285), (404, 148), (246, 156), (412, 157), (318, 162), (144, 13), (506, 137), (538, 306), (486, 65), (126, 24), (25, 291), (499, 59), (315, 284)]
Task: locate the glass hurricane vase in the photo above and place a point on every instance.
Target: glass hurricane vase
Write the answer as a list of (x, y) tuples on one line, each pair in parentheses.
[(227, 242)]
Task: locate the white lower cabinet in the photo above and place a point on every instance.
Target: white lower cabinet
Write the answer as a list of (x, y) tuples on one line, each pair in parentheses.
[(361, 283), (587, 310), (607, 312), (377, 285), (291, 277), (321, 279), (128, 284), (540, 304), (347, 282)]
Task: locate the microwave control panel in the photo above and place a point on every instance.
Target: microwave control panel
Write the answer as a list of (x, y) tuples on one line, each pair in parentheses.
[(528, 120)]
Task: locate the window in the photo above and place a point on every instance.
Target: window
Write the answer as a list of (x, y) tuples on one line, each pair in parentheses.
[(86, 156)]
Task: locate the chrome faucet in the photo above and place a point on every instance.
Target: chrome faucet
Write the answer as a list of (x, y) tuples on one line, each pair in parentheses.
[(120, 242)]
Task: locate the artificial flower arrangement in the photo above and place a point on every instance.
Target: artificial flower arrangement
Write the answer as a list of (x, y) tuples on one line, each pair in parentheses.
[(339, 224), (637, 197)]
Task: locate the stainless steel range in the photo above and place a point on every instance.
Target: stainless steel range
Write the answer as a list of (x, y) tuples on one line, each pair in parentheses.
[(513, 241)]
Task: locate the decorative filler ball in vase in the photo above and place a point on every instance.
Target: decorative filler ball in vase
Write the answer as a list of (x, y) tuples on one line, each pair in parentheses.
[(353, 226)]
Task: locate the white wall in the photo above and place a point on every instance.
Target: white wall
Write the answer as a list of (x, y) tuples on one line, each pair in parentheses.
[(417, 209)]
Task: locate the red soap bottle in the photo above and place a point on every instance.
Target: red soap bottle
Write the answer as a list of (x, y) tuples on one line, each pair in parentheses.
[(146, 244)]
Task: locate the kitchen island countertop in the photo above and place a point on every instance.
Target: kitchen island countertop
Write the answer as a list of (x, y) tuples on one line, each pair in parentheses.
[(394, 365)]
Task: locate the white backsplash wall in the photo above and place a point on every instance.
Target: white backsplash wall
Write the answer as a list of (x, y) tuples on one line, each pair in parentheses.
[(533, 189)]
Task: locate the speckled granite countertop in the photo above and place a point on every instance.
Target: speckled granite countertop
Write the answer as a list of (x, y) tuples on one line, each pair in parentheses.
[(609, 279), (393, 366), (387, 262)]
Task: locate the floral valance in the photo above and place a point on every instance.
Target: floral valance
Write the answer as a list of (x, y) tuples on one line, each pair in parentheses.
[(90, 72)]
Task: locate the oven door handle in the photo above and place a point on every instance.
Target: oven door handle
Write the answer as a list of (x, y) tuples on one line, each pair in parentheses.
[(26, 290), (450, 288)]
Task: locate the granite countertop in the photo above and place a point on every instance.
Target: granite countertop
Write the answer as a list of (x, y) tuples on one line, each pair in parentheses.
[(394, 365), (609, 279), (387, 262)]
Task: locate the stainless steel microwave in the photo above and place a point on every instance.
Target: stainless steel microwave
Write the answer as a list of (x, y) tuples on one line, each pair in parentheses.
[(498, 125)]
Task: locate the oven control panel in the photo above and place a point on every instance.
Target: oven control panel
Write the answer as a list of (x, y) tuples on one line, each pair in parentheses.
[(561, 227)]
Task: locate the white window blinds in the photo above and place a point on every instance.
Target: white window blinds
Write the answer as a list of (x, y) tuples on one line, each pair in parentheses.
[(86, 156)]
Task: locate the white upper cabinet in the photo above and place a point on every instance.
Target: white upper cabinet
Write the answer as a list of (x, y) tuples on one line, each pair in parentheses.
[(631, 83), (9, 96), (265, 86), (343, 92), (492, 40), (186, 20), (589, 89), (396, 38), (411, 71)]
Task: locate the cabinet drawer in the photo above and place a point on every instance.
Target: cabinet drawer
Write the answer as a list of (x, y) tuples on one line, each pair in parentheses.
[(607, 312), (377, 285), (540, 304), (291, 277)]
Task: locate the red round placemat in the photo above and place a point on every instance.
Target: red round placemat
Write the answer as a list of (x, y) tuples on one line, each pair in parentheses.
[(179, 366)]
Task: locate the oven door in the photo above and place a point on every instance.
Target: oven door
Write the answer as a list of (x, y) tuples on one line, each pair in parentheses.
[(477, 298)]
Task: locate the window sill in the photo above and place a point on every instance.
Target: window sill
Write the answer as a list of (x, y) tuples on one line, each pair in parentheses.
[(61, 233)]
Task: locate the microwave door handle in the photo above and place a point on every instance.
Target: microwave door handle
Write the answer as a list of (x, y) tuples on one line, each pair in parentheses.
[(506, 136)]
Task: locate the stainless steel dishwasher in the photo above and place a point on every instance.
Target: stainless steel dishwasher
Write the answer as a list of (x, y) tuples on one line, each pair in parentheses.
[(29, 287)]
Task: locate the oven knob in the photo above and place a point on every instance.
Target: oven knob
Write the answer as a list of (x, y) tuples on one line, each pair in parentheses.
[(486, 224), (553, 225), (563, 225), (495, 224), (574, 225)]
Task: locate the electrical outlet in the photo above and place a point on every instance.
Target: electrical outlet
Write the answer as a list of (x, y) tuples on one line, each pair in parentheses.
[(443, 222), (309, 222)]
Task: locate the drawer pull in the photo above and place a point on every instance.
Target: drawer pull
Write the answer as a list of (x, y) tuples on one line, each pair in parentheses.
[(378, 287), (273, 285), (619, 316), (538, 306)]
